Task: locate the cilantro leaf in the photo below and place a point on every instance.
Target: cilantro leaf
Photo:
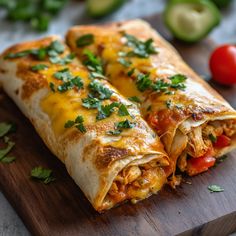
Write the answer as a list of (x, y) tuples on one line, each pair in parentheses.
[(6, 150), (42, 174), (5, 128), (69, 124), (81, 128), (69, 81), (99, 91), (57, 46), (52, 86), (79, 119), (78, 123), (126, 124), (53, 50), (177, 81), (169, 103), (215, 188), (135, 99), (85, 40), (143, 82), (7, 159), (93, 63), (63, 74), (18, 54), (39, 67), (142, 49), (106, 111), (62, 61), (124, 62), (123, 111), (160, 86), (114, 132), (212, 138), (90, 102), (131, 72)]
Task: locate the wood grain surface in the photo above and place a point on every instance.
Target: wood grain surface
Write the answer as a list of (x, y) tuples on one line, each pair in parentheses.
[(61, 208)]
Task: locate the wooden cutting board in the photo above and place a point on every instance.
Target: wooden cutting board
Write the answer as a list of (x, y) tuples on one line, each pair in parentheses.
[(61, 208)]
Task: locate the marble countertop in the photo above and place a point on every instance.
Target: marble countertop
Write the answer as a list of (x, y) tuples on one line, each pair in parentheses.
[(10, 223)]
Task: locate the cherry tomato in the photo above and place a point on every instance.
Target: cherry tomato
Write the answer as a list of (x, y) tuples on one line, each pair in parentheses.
[(223, 64), (200, 164), (222, 141)]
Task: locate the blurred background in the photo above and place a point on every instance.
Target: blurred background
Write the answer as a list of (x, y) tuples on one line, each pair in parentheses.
[(26, 20)]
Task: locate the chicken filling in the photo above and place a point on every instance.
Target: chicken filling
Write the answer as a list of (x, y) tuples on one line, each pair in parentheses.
[(135, 183), (204, 145)]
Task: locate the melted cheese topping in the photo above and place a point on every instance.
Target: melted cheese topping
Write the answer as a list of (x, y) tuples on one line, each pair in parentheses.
[(62, 107)]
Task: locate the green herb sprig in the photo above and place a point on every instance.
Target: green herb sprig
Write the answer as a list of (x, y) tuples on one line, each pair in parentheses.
[(85, 40), (77, 123), (5, 128), (120, 126), (215, 188), (42, 174)]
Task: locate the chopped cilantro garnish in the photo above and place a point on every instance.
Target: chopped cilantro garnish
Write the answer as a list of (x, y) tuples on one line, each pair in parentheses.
[(69, 124), (123, 111), (39, 67), (105, 111), (63, 74), (81, 128), (169, 103), (42, 174), (85, 40), (99, 91), (69, 81), (215, 188), (52, 86), (6, 150), (5, 128), (114, 132), (119, 126), (124, 62), (62, 61), (91, 103), (131, 72), (212, 138), (76, 82), (177, 81), (160, 86), (8, 159), (18, 54), (126, 124), (135, 99), (143, 82), (57, 46), (93, 63), (53, 51), (78, 123), (142, 49)]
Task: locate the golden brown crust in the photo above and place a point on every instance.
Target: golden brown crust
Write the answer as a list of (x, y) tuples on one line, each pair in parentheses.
[(32, 81)]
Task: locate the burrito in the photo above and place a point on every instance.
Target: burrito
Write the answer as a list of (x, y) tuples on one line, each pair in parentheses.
[(107, 148), (195, 123)]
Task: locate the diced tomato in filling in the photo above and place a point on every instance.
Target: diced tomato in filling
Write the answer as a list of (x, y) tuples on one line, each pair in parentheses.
[(222, 141), (153, 120), (200, 164)]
